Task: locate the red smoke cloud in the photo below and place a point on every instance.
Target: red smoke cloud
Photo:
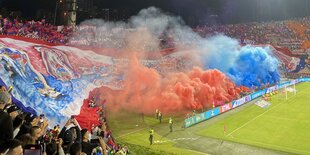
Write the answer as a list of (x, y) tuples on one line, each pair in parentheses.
[(146, 90)]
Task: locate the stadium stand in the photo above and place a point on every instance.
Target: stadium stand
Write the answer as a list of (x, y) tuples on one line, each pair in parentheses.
[(288, 37), (33, 129)]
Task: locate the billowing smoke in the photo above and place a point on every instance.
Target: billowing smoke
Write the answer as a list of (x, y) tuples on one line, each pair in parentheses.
[(147, 88), (254, 67), (247, 65)]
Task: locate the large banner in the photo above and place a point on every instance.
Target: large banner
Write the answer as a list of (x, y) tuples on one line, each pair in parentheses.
[(53, 80)]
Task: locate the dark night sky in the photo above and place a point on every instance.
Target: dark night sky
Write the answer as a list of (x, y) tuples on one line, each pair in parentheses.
[(192, 11)]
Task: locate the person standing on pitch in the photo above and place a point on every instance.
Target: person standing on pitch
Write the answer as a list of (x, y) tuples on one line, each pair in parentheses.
[(157, 113), (160, 116), (151, 135), (170, 123)]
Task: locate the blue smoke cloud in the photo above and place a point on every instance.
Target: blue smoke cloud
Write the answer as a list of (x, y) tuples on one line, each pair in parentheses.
[(246, 65)]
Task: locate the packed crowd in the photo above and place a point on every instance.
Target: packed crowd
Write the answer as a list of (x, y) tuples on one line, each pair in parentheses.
[(286, 33), (26, 133), (36, 30)]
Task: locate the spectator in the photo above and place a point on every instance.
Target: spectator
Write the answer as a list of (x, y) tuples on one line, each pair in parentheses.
[(35, 30), (6, 123), (17, 123), (76, 149), (87, 147), (26, 139), (92, 102), (5, 98), (51, 148), (54, 147), (13, 147), (26, 126), (2, 88), (123, 151), (70, 133), (13, 111), (35, 133), (39, 128)]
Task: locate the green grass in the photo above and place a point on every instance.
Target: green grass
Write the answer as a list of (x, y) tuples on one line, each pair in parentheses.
[(167, 146), (284, 126), (130, 129)]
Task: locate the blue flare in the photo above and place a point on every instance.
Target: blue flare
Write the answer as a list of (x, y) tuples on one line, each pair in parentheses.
[(254, 67), (248, 65)]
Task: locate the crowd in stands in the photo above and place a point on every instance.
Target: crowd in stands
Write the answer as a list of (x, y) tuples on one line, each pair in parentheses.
[(292, 33), (36, 30), (24, 132), (287, 33)]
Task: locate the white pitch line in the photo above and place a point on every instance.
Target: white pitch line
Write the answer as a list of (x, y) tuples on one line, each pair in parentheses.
[(129, 133), (167, 140), (255, 118), (196, 151)]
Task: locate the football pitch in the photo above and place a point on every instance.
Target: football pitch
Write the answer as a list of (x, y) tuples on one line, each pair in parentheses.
[(281, 128), (284, 126)]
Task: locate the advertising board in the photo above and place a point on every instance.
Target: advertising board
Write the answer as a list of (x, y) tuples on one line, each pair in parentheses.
[(225, 107), (258, 94), (212, 112), (238, 102)]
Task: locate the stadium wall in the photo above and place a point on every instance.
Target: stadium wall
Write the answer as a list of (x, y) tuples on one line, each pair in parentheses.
[(236, 103)]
